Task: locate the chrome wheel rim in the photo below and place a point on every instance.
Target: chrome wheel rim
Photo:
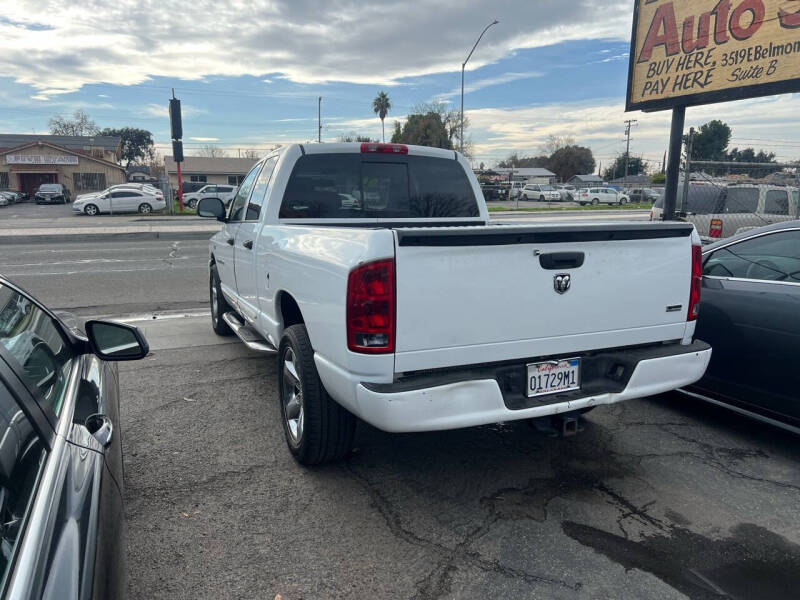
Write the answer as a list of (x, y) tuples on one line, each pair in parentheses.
[(293, 411), (214, 301)]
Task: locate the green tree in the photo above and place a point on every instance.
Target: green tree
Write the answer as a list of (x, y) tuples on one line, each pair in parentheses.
[(79, 124), (636, 166), (571, 160), (710, 141), (658, 178), (750, 155), (397, 134), (423, 130), (381, 106), (352, 137), (514, 161), (137, 144)]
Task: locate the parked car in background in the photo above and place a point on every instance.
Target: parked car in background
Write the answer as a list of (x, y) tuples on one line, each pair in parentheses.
[(516, 188), (223, 192), (144, 187), (541, 192), (52, 193), (8, 197), (749, 314), (567, 192), (494, 192), (4, 200), (18, 196), (602, 195), (61, 476), (722, 211), (357, 302), (640, 195), (121, 200)]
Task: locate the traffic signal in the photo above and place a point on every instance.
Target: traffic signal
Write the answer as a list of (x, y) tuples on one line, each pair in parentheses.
[(177, 150), (175, 118)]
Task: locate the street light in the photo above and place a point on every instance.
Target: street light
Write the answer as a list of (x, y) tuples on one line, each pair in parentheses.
[(464, 64)]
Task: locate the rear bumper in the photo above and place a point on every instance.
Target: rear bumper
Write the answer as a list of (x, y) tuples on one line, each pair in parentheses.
[(469, 402)]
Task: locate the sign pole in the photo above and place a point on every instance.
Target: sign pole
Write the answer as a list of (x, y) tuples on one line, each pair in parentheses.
[(180, 187), (674, 161)]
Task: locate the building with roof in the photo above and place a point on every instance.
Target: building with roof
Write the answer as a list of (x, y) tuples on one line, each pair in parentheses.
[(203, 169), (80, 163), (528, 174), (588, 180)]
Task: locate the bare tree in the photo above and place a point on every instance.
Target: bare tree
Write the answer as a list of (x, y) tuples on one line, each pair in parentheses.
[(555, 143), (212, 151), (251, 154), (79, 124)]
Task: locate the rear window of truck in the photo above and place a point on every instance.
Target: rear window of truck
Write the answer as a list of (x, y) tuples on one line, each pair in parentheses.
[(357, 186)]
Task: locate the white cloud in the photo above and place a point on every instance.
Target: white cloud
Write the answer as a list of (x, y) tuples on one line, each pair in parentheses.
[(161, 110), (488, 82), (204, 139), (57, 45), (599, 125)]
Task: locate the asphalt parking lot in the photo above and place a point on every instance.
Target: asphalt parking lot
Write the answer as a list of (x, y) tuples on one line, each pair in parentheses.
[(655, 498)]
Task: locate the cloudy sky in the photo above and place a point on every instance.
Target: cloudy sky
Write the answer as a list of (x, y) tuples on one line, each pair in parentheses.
[(249, 73)]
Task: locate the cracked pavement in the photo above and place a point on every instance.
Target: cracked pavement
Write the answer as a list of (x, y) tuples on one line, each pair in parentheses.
[(657, 498)]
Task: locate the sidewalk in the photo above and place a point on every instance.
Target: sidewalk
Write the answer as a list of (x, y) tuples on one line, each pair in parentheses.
[(78, 229)]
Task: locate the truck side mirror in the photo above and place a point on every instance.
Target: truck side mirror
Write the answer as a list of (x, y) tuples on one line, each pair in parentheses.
[(211, 208)]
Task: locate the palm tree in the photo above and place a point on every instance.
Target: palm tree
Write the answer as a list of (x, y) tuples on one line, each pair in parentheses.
[(381, 106)]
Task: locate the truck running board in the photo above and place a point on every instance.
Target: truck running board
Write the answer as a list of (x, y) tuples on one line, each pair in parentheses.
[(251, 338)]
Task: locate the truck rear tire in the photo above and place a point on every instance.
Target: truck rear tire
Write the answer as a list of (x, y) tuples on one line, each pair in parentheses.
[(316, 427), (219, 306)]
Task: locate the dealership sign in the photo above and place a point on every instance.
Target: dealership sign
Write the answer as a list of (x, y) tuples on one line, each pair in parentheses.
[(687, 52), (41, 159)]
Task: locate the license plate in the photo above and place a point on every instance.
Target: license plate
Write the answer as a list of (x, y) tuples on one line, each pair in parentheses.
[(554, 376)]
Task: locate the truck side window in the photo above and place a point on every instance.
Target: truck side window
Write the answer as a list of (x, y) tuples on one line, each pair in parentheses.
[(239, 202), (777, 203), (253, 212), (21, 459)]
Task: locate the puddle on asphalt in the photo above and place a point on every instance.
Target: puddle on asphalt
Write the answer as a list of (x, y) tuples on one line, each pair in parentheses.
[(753, 563)]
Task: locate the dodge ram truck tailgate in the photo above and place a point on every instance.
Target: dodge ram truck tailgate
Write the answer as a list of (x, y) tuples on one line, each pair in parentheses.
[(471, 295)]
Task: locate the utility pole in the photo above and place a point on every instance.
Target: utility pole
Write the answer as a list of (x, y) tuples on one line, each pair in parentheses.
[(628, 124), (687, 169), (319, 119)]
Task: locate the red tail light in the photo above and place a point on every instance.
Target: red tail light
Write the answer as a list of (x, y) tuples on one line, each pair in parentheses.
[(384, 148), (371, 308), (696, 284), (715, 229)]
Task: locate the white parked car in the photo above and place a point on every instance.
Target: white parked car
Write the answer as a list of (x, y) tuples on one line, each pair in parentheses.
[(602, 195), (377, 310), (121, 200), (540, 192), (223, 192), (144, 187), (567, 192)]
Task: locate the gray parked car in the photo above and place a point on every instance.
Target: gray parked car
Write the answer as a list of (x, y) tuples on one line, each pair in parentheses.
[(61, 480), (750, 314)]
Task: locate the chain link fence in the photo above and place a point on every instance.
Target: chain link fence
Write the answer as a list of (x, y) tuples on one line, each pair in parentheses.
[(724, 198)]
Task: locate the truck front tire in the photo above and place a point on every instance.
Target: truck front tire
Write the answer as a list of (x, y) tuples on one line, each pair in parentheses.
[(219, 306), (317, 428)]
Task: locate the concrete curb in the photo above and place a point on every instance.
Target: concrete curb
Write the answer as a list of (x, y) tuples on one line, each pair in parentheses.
[(41, 237)]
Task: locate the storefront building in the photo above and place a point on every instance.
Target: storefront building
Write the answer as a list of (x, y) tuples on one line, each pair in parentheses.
[(85, 165)]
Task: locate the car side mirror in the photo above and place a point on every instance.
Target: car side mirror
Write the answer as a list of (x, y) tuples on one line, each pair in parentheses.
[(116, 341), (211, 208)]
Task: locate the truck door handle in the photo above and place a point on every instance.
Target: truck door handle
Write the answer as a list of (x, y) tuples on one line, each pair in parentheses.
[(248, 244), (230, 241), (561, 260)]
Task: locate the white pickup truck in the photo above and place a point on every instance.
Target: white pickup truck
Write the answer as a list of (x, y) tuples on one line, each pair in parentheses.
[(374, 274)]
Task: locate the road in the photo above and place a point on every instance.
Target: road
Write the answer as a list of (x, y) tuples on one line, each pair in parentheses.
[(656, 498), (112, 278)]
